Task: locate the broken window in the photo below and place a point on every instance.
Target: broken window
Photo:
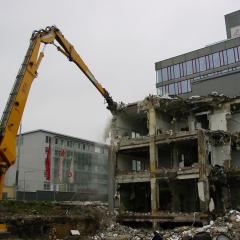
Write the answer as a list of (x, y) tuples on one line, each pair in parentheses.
[(235, 157), (202, 121), (234, 182), (136, 159), (135, 197), (165, 156), (165, 196), (136, 165), (178, 154), (184, 200), (131, 123), (187, 153), (219, 188)]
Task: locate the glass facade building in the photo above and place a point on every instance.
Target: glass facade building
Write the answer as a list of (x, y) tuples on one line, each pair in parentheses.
[(89, 161), (176, 76), (214, 68)]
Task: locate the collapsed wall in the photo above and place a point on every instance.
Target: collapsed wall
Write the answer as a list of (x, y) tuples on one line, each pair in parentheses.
[(171, 156)]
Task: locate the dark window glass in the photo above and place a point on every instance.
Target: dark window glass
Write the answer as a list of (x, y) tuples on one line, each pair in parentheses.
[(169, 73), (48, 139), (172, 72), (171, 89), (197, 65), (194, 65), (184, 86), (236, 53), (179, 87), (166, 89), (181, 69), (189, 86), (225, 57), (176, 71), (163, 90), (210, 61), (221, 58), (230, 55), (239, 53), (216, 60), (189, 67), (176, 88), (184, 69), (164, 74), (202, 64), (159, 75), (159, 91)]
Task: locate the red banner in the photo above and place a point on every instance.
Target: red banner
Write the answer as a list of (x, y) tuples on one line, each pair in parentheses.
[(60, 165), (48, 163)]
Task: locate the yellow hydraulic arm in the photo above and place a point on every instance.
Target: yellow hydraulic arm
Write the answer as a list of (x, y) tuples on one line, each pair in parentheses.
[(16, 103)]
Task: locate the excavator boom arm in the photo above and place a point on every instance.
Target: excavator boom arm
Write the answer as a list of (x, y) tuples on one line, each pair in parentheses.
[(69, 51), (12, 114)]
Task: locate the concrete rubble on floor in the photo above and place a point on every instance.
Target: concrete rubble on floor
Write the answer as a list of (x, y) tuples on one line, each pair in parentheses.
[(228, 225), (95, 222)]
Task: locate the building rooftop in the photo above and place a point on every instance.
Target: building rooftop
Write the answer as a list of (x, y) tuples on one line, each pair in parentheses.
[(63, 136)]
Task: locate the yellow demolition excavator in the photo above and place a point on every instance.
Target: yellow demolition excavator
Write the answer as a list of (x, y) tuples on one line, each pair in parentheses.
[(13, 111)]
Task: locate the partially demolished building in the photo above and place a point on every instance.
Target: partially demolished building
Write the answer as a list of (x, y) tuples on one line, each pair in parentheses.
[(173, 155)]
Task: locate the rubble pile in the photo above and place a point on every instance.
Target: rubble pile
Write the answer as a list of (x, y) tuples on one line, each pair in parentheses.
[(95, 222), (120, 232), (228, 225)]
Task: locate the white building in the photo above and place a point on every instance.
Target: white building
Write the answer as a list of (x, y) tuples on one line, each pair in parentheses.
[(84, 165)]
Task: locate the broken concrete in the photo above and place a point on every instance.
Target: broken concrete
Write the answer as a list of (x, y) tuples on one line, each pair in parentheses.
[(166, 153), (227, 226)]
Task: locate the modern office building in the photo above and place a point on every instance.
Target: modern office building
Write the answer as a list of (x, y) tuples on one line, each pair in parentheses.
[(48, 161), (214, 68)]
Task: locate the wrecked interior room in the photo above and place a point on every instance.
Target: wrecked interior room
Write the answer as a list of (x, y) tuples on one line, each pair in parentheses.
[(173, 155)]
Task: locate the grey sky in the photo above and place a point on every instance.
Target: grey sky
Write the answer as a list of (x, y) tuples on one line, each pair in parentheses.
[(119, 40)]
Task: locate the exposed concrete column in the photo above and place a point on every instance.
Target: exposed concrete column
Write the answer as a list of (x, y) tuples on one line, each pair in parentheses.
[(112, 156), (154, 199), (152, 121), (152, 146), (154, 191), (153, 160), (203, 184), (191, 123), (154, 184)]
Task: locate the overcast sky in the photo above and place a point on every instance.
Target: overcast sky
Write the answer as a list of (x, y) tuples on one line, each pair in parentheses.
[(119, 40)]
